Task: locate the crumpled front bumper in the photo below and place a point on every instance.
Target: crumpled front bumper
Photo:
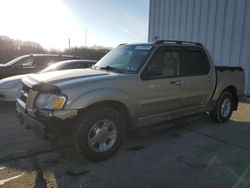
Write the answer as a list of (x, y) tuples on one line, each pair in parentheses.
[(46, 124), (38, 127)]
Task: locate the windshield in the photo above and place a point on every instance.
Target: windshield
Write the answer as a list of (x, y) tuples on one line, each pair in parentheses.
[(125, 58), (12, 62), (67, 64), (52, 67)]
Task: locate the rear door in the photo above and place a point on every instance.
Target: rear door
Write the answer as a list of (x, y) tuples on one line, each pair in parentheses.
[(164, 92), (198, 76)]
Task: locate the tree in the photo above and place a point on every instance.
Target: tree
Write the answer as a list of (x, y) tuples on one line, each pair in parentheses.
[(10, 48)]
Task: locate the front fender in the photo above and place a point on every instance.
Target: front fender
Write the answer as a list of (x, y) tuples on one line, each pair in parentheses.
[(101, 95)]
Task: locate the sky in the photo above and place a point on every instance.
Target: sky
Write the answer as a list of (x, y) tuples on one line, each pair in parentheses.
[(51, 23)]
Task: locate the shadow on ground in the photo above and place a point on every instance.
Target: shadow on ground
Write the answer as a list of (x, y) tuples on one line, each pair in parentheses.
[(191, 152)]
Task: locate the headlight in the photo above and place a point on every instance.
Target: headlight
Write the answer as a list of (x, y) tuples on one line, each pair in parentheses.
[(48, 101), (9, 85)]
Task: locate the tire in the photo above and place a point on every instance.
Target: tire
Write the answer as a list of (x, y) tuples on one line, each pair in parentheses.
[(99, 133), (224, 108)]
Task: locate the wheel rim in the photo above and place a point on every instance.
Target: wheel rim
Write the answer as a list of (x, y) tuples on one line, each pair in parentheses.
[(225, 107), (102, 135)]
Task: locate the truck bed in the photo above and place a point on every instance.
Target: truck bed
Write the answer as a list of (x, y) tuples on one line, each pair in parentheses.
[(224, 68), (229, 76)]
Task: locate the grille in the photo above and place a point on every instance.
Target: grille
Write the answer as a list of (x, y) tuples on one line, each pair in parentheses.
[(24, 92), (26, 88), (27, 96)]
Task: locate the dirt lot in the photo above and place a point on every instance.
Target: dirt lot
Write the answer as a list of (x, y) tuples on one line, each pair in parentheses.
[(194, 153)]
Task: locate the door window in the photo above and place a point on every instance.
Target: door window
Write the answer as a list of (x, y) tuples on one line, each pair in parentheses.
[(194, 62), (42, 62), (74, 65), (85, 64), (26, 63), (167, 62)]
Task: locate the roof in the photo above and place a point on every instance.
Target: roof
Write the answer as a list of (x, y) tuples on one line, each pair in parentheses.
[(55, 55), (170, 42)]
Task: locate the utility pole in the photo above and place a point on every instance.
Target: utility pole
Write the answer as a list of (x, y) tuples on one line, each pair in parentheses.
[(69, 45), (86, 35)]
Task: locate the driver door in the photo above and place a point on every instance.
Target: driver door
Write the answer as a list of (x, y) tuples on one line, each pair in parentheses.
[(161, 91)]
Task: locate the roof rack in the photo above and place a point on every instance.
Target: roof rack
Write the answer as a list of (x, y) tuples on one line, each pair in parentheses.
[(177, 42), (121, 44)]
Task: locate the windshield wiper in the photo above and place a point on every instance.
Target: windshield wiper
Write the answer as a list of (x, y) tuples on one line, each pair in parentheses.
[(113, 69)]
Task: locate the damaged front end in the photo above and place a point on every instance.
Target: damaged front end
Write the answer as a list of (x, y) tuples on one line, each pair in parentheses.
[(40, 107)]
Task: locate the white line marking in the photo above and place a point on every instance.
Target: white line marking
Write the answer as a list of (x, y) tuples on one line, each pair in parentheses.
[(2, 167), (9, 179)]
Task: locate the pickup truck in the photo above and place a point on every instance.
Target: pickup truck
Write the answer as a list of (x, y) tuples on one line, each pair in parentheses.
[(132, 86), (31, 63)]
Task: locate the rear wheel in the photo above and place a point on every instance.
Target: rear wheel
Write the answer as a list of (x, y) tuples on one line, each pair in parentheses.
[(99, 134), (224, 107)]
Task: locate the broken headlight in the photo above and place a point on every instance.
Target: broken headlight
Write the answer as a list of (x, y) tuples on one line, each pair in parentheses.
[(48, 101)]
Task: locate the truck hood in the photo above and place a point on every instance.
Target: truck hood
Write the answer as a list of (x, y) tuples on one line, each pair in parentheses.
[(67, 77)]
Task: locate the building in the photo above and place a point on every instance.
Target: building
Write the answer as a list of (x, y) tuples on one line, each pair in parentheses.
[(223, 26)]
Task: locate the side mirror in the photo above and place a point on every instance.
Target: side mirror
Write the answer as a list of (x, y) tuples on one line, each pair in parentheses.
[(152, 71)]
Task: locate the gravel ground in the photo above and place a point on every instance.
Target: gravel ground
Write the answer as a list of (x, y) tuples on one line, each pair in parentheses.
[(195, 152)]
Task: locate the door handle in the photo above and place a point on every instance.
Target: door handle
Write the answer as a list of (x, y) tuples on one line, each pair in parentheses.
[(176, 82), (209, 79)]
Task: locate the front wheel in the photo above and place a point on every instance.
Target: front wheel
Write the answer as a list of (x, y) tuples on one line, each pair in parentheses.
[(99, 134), (224, 108)]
